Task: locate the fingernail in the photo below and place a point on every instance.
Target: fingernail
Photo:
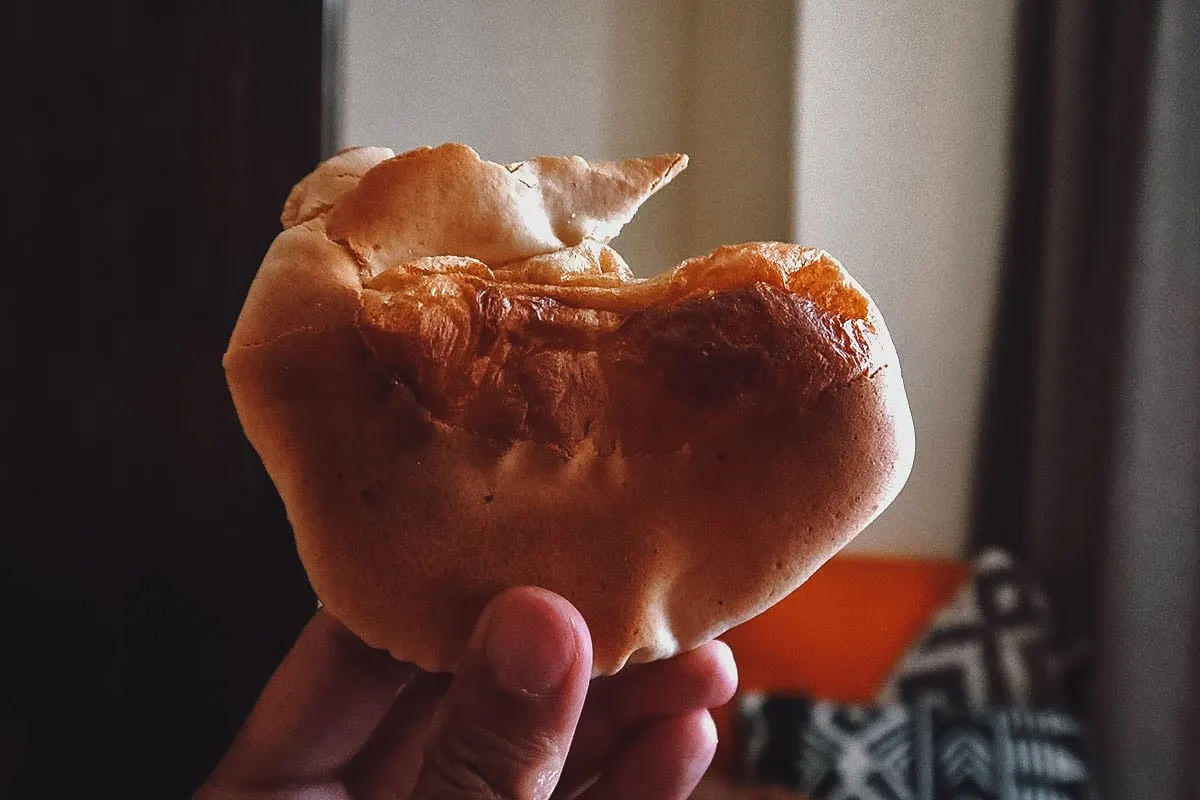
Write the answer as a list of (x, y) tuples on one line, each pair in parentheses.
[(530, 645)]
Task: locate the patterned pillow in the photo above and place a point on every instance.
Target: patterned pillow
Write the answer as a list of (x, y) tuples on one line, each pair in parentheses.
[(830, 750), (991, 647)]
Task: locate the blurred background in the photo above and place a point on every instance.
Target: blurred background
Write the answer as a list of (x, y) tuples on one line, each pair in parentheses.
[(1015, 183)]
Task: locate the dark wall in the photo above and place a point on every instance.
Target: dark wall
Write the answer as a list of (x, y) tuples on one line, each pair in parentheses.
[(150, 583)]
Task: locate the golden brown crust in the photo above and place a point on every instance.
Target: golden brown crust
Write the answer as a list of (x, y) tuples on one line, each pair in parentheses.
[(646, 366), (447, 419)]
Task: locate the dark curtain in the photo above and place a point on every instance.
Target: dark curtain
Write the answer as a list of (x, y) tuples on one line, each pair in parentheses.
[(149, 582), (1089, 466)]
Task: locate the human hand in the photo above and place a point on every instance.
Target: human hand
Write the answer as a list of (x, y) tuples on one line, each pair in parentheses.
[(520, 719)]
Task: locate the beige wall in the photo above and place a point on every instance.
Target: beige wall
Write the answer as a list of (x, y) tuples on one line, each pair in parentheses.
[(902, 134), (602, 79), (874, 130), (518, 79)]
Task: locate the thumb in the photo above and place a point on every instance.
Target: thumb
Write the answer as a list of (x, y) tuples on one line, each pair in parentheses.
[(507, 721)]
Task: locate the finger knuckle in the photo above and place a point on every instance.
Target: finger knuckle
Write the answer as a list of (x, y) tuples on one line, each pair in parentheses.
[(481, 762)]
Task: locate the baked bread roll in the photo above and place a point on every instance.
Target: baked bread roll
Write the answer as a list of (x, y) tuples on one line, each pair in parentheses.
[(457, 387)]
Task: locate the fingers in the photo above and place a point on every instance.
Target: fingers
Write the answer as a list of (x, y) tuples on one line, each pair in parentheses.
[(388, 766), (664, 761), (319, 708), (702, 678), (507, 722), (619, 707)]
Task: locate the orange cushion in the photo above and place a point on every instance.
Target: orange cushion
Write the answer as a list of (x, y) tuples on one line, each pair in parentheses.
[(840, 634)]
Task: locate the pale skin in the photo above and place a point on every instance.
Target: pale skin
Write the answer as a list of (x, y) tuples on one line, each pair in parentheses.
[(520, 719)]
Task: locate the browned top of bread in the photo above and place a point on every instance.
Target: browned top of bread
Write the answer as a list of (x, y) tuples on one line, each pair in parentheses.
[(748, 331), (501, 307), (458, 387)]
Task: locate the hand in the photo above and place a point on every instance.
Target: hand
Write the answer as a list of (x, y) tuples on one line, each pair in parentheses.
[(520, 719)]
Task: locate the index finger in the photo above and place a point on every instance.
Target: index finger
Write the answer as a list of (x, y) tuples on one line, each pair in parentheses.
[(317, 711)]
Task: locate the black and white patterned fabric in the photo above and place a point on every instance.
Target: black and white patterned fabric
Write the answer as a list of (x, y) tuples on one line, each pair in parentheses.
[(832, 751), (991, 647)]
